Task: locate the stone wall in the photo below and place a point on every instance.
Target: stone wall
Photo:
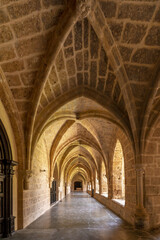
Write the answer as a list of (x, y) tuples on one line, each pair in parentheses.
[(127, 212), (151, 161), (37, 199)]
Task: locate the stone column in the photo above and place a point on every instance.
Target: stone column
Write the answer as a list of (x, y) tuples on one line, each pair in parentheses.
[(68, 189), (28, 175), (100, 181), (141, 217), (8, 214)]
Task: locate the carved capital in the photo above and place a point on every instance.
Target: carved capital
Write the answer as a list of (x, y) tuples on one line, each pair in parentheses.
[(140, 172), (28, 174), (83, 8)]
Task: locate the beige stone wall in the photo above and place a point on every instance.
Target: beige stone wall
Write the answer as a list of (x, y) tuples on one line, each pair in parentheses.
[(37, 199), (151, 161), (128, 211)]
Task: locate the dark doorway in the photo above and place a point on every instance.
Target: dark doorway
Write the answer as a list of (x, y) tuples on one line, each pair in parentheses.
[(53, 192), (78, 186), (6, 185)]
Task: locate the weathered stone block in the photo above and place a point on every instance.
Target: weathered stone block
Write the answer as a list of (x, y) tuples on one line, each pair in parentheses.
[(68, 52), (53, 79), (68, 40), (86, 77), (125, 52), (60, 62), (72, 82), (138, 73), (13, 80), (13, 66), (144, 55), (108, 8), (21, 9), (116, 29), (21, 93), (23, 106), (93, 74), (43, 100), (3, 17), (151, 148), (71, 67), (153, 37), (137, 12), (48, 3), (134, 33), (156, 133), (63, 80), (86, 32), (94, 44), (28, 78), (101, 82), (79, 61), (5, 2), (5, 34), (79, 78), (116, 93), (109, 84), (86, 64), (48, 92), (57, 90), (51, 18), (78, 35), (34, 62), (26, 27), (30, 46), (139, 92), (7, 53), (103, 63), (157, 17)]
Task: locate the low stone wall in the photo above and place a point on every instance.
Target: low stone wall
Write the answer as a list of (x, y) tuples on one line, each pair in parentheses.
[(35, 203), (117, 208)]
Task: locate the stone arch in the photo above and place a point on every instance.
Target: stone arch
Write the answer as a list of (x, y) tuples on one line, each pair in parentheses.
[(118, 172), (116, 116)]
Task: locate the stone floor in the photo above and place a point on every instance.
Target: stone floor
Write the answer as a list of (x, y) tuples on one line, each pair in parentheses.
[(80, 217)]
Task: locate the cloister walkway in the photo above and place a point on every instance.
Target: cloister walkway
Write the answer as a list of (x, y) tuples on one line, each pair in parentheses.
[(80, 217)]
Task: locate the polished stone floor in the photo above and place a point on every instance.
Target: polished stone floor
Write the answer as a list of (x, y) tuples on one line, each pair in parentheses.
[(80, 217)]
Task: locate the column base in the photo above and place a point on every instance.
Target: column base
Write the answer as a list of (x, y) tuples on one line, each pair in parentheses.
[(141, 218), (8, 226)]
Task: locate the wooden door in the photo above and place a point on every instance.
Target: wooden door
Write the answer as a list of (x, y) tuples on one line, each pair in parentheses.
[(2, 201), (53, 192)]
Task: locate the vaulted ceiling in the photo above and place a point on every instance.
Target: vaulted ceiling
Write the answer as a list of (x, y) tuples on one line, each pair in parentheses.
[(99, 56)]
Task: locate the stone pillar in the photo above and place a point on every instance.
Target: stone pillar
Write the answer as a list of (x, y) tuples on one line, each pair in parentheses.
[(59, 193), (100, 180), (68, 189), (141, 217), (8, 214), (28, 175)]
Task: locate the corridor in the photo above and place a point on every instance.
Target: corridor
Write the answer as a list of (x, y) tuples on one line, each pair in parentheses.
[(80, 217)]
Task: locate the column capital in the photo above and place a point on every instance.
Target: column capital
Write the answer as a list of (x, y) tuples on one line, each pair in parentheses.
[(83, 8)]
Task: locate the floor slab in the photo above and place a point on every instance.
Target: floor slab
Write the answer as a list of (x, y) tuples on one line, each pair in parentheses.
[(81, 217)]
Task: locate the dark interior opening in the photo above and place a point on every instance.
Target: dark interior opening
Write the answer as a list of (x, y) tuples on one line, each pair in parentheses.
[(77, 185)]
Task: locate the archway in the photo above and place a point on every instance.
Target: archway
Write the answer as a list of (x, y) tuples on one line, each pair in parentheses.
[(118, 173), (6, 184)]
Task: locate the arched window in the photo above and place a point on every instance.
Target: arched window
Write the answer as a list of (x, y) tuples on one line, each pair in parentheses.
[(104, 181), (97, 183), (118, 174)]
